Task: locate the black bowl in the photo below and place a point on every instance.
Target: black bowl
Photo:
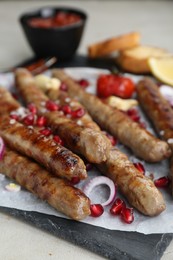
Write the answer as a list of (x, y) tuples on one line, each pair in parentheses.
[(61, 42)]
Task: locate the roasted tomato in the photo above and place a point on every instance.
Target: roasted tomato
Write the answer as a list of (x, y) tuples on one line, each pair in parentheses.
[(111, 84)]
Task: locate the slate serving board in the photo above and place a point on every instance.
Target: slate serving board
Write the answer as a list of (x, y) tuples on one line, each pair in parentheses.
[(110, 244)]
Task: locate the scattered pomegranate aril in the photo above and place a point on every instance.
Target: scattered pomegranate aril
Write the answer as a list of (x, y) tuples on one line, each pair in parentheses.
[(14, 116), (78, 113), (84, 83), (117, 206), (140, 167), (51, 105), (32, 108), (58, 140), (45, 131), (29, 119), (41, 121), (63, 87), (66, 109), (112, 139), (75, 180), (15, 96), (127, 215), (133, 114), (162, 182), (143, 124), (96, 210)]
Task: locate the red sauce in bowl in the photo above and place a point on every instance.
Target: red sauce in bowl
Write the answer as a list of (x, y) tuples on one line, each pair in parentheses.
[(59, 20)]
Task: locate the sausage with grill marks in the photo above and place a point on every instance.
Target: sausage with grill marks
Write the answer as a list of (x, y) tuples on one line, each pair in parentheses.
[(139, 190), (56, 158), (157, 108), (90, 143), (57, 192), (128, 132)]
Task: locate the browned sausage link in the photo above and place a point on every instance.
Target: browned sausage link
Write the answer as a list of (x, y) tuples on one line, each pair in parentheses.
[(139, 190), (8, 103), (156, 107), (57, 192), (90, 143), (140, 141), (54, 157)]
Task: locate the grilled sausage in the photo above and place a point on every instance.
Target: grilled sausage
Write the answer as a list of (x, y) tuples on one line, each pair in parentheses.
[(85, 141), (57, 192), (139, 190), (7, 102), (157, 108), (54, 157), (131, 134)]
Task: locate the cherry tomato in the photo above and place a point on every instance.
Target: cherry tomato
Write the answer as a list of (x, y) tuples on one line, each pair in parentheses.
[(110, 84)]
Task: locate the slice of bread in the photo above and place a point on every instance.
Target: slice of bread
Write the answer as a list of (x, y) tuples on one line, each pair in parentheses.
[(118, 43), (135, 60)]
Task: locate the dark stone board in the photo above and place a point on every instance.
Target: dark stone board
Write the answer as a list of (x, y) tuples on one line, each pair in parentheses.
[(110, 244)]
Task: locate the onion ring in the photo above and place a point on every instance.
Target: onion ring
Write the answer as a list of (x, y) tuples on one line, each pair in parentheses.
[(98, 181)]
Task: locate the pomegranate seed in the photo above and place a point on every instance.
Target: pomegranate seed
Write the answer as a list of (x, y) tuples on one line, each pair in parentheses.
[(78, 113), (112, 139), (127, 215), (41, 121), (117, 207), (75, 180), (58, 140), (84, 83), (96, 210), (13, 116), (89, 166), (32, 108), (140, 167), (29, 119), (66, 109), (51, 106), (15, 96), (143, 124), (133, 114), (162, 182), (63, 87), (46, 131)]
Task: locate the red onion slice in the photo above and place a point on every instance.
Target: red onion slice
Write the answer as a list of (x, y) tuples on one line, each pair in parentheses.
[(2, 148), (99, 181), (167, 92)]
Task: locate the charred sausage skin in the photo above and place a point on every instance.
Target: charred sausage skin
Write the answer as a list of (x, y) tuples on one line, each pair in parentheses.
[(57, 192)]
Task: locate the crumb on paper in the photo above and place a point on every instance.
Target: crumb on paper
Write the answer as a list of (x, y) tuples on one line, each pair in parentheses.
[(13, 187)]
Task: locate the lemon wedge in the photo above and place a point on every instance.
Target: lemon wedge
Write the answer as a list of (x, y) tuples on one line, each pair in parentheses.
[(162, 69)]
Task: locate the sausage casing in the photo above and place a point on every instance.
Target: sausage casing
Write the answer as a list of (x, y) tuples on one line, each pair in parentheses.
[(57, 192)]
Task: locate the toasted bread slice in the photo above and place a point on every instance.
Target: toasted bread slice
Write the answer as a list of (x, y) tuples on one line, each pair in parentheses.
[(135, 60), (118, 43)]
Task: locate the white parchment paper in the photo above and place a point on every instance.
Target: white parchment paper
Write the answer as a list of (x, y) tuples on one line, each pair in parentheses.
[(24, 200)]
